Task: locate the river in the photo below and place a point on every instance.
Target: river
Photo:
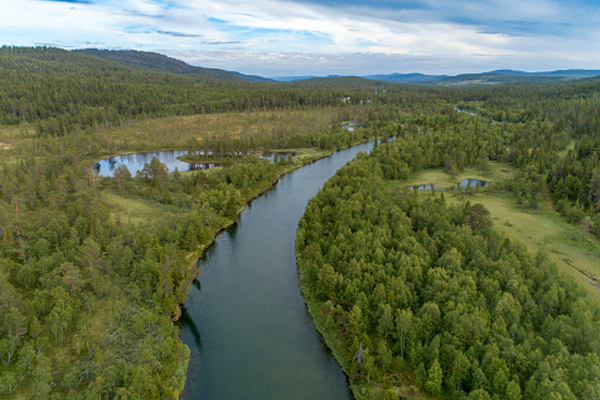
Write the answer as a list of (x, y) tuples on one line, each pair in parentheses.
[(245, 322)]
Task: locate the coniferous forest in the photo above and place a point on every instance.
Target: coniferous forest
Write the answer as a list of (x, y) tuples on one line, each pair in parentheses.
[(419, 294)]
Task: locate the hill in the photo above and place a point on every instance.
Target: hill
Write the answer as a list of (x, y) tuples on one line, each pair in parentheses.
[(63, 91), (159, 62), (491, 78), (406, 78), (569, 73), (484, 78)]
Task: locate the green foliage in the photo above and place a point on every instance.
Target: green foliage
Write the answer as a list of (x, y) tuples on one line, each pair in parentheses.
[(86, 296), (472, 312), (64, 92)]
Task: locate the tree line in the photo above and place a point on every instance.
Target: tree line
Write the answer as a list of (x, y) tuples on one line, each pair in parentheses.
[(86, 298), (417, 293)]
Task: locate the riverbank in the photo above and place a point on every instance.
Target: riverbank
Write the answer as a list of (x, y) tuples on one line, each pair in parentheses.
[(249, 287), (315, 312), (306, 156)]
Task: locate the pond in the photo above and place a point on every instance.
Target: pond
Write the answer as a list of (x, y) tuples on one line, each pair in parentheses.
[(245, 322), (428, 187), (472, 183), (349, 126), (464, 184), (135, 162)]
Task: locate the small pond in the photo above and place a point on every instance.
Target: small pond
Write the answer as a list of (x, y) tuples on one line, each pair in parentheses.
[(472, 183), (349, 126), (135, 162), (465, 111), (428, 187), (464, 184)]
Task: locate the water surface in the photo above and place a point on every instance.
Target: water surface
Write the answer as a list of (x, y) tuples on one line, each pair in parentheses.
[(471, 183), (135, 162), (246, 323)]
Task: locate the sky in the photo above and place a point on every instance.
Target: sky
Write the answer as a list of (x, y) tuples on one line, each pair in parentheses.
[(322, 37)]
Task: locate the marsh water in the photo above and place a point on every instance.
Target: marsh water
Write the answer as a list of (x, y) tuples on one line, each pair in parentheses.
[(471, 183), (245, 321), (464, 184), (135, 162)]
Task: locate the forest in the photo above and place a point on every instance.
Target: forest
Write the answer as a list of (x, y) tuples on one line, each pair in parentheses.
[(419, 294), (407, 287)]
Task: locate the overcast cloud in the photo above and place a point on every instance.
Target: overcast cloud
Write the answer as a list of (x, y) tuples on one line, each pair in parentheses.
[(322, 37)]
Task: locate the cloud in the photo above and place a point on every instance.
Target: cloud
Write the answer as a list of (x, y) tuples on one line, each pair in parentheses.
[(220, 43), (179, 34), (264, 35), (70, 1)]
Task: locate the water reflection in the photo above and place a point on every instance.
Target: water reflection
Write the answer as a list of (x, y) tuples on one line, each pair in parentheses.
[(202, 166), (278, 155), (187, 322), (258, 340), (471, 183), (350, 126), (464, 184), (135, 162), (428, 187)]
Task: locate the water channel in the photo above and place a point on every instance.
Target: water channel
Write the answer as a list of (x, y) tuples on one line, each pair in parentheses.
[(246, 323)]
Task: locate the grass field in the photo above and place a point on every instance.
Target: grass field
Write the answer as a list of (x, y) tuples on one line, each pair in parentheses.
[(134, 211), (573, 251), (186, 131)]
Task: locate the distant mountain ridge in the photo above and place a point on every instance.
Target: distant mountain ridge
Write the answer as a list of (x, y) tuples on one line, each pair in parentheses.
[(484, 78), (571, 73), (159, 62), (488, 78), (414, 77)]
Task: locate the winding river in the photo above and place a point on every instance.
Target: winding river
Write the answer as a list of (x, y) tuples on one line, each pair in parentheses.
[(245, 322)]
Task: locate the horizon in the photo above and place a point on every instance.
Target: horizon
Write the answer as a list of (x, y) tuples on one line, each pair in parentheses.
[(273, 38)]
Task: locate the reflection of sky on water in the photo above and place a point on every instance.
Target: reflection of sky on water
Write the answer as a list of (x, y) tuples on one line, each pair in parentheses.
[(280, 154), (349, 126), (135, 162), (473, 183)]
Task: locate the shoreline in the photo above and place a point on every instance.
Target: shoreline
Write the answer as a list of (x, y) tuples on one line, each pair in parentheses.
[(196, 255)]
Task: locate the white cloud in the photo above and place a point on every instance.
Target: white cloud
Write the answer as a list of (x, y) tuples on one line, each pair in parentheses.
[(243, 34)]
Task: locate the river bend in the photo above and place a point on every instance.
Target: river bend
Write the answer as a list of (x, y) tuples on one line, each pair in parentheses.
[(245, 322)]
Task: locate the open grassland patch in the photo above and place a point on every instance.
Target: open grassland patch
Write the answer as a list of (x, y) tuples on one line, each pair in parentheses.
[(134, 211), (188, 131), (496, 172), (573, 251), (11, 136)]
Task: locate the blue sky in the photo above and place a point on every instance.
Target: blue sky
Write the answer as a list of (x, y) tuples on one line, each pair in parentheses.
[(322, 37)]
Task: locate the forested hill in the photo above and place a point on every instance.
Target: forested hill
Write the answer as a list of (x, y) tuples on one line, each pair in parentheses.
[(158, 62), (61, 92)]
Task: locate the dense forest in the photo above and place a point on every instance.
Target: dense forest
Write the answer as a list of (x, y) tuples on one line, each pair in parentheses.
[(62, 92), (92, 270), (416, 294)]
